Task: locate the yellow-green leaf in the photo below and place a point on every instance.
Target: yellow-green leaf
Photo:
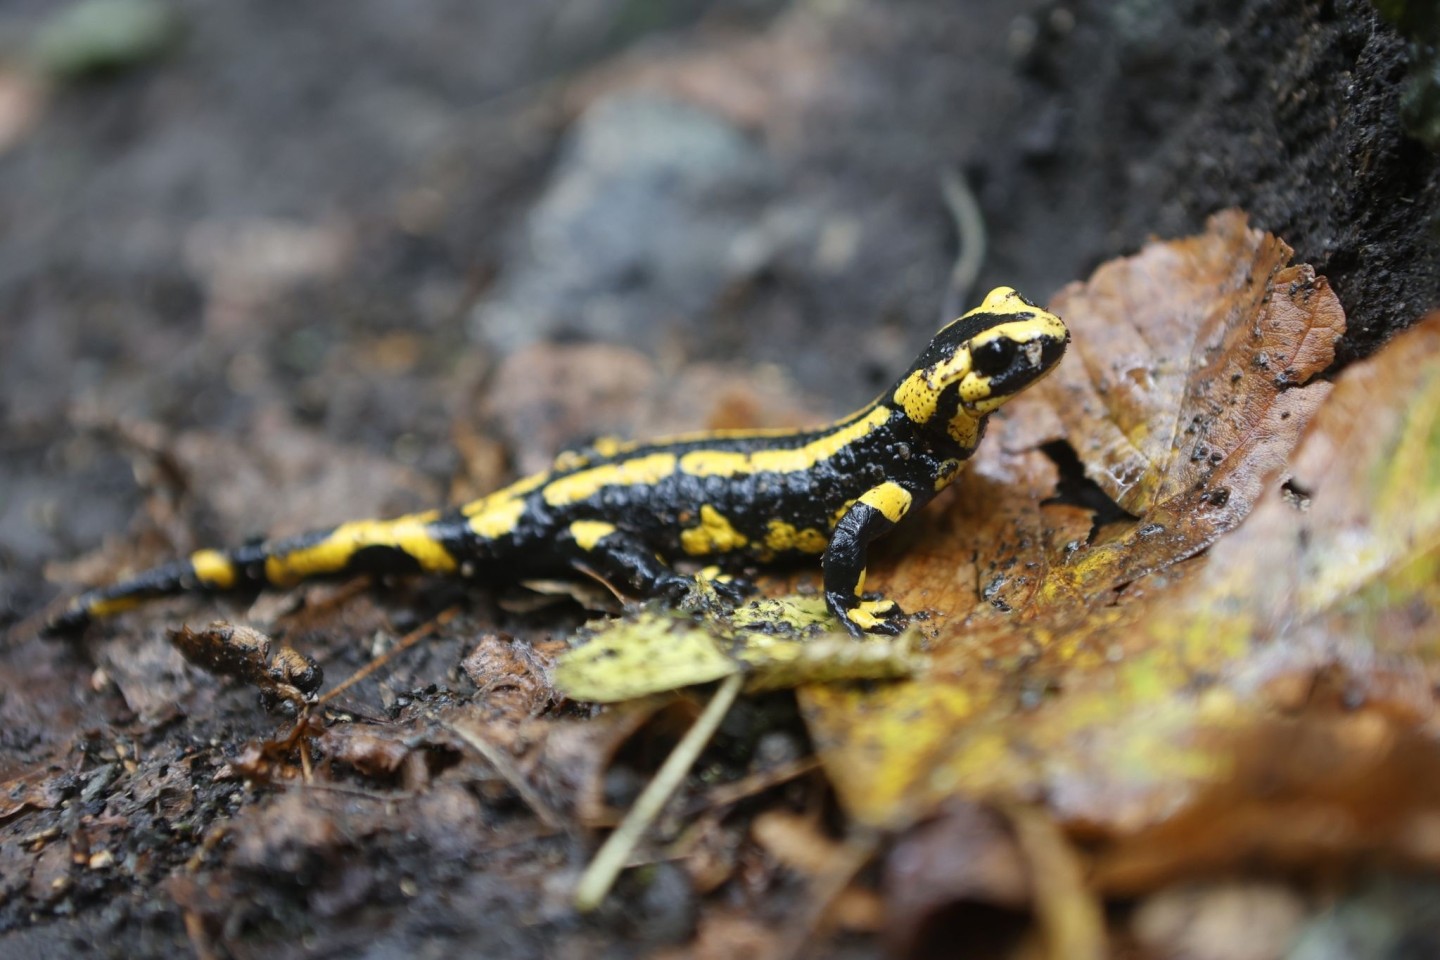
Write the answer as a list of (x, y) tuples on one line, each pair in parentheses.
[(777, 642)]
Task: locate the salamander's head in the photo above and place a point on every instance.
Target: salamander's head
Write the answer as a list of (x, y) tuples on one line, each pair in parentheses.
[(980, 361)]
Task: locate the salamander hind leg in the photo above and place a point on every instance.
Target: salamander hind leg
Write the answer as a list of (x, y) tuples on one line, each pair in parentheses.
[(620, 560), (630, 567), (730, 587)]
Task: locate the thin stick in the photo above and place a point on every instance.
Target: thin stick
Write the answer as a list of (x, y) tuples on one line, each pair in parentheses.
[(600, 876), (508, 772), (406, 642), (749, 786)]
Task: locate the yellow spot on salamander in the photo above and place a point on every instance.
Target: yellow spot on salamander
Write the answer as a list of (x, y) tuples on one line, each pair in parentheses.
[(567, 460), (782, 537), (729, 463), (494, 515), (862, 619), (608, 446), (949, 470), (515, 491), (213, 569), (1028, 331), (498, 500), (890, 499), (603, 448), (867, 614), (588, 533), (649, 469), (1002, 302), (919, 394), (409, 534), (108, 608), (1023, 323), (860, 581), (714, 534), (497, 517), (964, 430)]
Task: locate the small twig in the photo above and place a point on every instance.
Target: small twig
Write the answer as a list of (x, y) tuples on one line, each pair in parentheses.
[(728, 793), (970, 231), (406, 642), (600, 875), (594, 575), (508, 772)]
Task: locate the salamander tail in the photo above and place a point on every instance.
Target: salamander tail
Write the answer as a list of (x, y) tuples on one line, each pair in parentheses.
[(411, 544)]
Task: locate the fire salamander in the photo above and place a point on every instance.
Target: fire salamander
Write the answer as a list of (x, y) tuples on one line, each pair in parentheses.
[(620, 511)]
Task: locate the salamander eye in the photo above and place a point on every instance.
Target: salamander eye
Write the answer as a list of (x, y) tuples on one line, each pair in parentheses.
[(994, 356)]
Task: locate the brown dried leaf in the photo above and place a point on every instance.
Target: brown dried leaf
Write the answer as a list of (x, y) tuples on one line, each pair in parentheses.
[(512, 678), (1181, 355), (1166, 365), (1324, 607), (33, 790)]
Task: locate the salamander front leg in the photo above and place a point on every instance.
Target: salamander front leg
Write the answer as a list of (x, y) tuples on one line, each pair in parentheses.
[(869, 517)]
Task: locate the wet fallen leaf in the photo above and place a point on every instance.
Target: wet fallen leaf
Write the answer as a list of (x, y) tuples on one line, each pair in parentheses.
[(801, 845), (151, 675), (1183, 397), (725, 934), (1322, 607), (33, 790), (778, 643), (796, 842)]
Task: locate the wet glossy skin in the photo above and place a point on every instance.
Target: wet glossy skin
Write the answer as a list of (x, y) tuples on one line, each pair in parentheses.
[(621, 512)]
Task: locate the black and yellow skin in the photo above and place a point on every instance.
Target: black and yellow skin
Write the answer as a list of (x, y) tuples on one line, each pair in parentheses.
[(621, 512)]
